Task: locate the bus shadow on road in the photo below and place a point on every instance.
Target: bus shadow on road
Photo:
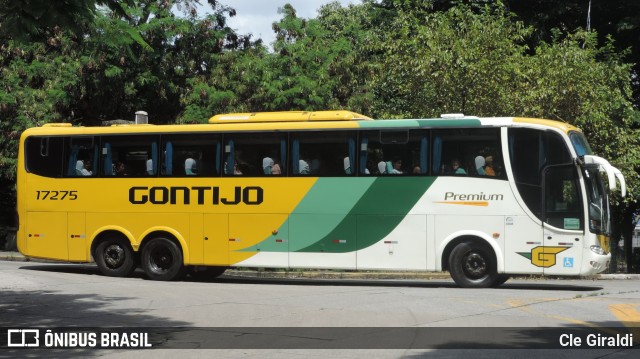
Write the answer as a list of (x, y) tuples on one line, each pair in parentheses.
[(544, 285), (433, 283), (85, 269)]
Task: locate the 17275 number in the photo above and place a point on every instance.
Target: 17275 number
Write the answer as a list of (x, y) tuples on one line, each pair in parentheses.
[(56, 195)]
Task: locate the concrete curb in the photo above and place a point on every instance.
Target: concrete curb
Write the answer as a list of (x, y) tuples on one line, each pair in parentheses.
[(13, 256), (328, 274)]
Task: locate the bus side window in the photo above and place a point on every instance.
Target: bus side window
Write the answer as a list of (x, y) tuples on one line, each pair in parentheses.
[(255, 156), (82, 156), (323, 154), (131, 155), (191, 155), (472, 152), (44, 156), (398, 152)]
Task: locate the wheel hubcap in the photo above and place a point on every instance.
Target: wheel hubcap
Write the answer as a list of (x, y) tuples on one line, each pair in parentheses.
[(474, 265), (161, 260), (114, 256)]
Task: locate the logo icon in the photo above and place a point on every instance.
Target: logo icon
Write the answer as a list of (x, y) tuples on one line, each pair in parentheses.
[(23, 338), (545, 257), (568, 262)]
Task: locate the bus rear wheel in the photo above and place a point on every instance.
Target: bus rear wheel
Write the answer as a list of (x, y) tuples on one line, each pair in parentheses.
[(115, 258), (472, 266), (162, 260)]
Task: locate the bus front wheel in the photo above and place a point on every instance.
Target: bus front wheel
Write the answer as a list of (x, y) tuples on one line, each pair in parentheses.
[(472, 266), (162, 260), (115, 258), (500, 280), (203, 273)]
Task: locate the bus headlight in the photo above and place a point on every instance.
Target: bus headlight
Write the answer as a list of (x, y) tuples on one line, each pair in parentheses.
[(598, 250)]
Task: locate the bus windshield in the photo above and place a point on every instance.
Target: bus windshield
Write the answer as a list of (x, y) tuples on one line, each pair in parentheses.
[(580, 144), (598, 201)]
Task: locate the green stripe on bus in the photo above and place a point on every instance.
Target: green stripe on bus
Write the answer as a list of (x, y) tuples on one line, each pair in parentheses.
[(379, 211), (389, 124), (443, 123), (322, 209), (426, 123)]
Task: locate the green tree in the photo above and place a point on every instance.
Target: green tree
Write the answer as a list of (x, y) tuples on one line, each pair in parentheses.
[(36, 19), (618, 19), (140, 57), (443, 62)]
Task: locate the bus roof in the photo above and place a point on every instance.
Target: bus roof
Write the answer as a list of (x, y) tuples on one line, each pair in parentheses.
[(562, 126), (287, 116), (305, 120)]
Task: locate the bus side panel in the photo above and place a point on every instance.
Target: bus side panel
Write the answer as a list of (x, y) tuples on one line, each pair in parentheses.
[(563, 251), (46, 235), (196, 238), (404, 248), (216, 239), (323, 241), (258, 240), (523, 236), (432, 249), (77, 237)]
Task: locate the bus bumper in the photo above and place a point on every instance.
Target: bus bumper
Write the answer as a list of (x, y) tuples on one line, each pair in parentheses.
[(594, 263)]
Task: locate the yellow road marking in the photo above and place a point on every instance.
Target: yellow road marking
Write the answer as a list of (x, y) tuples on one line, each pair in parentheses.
[(525, 307), (628, 315)]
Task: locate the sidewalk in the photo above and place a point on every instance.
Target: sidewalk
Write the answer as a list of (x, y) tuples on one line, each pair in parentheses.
[(325, 274)]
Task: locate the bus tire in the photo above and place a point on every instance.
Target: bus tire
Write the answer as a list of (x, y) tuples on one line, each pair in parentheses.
[(472, 266), (203, 273), (162, 260), (500, 280), (115, 258)]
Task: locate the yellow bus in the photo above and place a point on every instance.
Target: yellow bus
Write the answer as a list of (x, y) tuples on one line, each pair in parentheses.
[(483, 198)]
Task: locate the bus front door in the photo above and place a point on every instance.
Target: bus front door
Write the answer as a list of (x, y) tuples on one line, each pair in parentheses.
[(564, 221)]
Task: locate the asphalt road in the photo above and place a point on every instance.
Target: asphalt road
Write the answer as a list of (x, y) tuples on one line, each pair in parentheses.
[(46, 295)]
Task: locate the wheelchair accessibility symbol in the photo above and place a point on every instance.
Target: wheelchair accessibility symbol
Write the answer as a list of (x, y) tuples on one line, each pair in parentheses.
[(568, 262)]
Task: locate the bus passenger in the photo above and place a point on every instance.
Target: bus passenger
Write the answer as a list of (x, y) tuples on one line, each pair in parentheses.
[(82, 168), (304, 167), (267, 165), (479, 161), (87, 168), (346, 162), (270, 167), (456, 169), (190, 167), (397, 167), (150, 167), (488, 168), (416, 168), (236, 169), (119, 168), (276, 170), (382, 167)]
